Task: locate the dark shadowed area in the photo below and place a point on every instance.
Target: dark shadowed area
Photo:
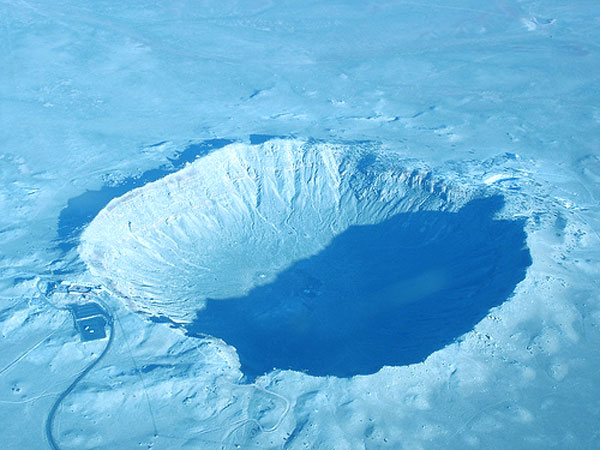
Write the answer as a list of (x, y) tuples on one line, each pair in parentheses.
[(385, 294)]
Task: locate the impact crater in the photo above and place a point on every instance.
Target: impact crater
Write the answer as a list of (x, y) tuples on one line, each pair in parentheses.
[(329, 259)]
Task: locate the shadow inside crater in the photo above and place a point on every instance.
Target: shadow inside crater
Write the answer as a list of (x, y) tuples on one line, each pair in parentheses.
[(384, 294)]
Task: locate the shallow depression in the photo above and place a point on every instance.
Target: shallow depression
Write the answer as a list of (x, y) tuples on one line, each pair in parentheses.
[(335, 260)]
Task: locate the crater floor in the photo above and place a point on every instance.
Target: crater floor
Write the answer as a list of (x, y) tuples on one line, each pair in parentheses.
[(384, 294)]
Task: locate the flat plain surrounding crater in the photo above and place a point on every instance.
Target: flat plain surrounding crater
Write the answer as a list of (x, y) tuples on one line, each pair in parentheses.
[(334, 260)]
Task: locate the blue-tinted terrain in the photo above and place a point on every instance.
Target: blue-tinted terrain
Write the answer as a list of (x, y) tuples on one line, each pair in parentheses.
[(107, 313), (385, 294)]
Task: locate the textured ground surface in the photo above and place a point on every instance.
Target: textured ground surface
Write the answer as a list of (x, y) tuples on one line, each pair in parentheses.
[(500, 96)]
